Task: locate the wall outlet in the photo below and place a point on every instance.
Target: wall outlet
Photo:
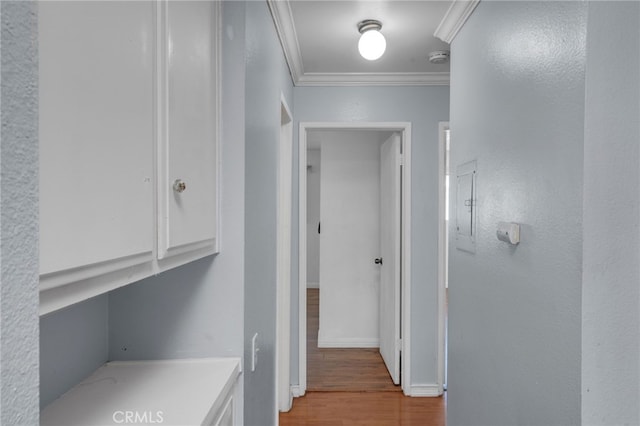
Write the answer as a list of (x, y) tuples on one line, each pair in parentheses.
[(254, 352)]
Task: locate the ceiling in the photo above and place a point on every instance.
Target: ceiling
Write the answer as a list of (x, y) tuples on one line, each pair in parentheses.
[(320, 38)]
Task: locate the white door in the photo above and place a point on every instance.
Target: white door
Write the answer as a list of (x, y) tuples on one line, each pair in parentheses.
[(349, 240), (390, 250)]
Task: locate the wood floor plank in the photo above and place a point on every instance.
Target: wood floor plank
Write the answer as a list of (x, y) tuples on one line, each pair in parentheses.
[(364, 409), (353, 388), (347, 370)]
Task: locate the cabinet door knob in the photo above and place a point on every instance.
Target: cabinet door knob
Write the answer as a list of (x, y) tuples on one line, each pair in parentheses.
[(179, 185)]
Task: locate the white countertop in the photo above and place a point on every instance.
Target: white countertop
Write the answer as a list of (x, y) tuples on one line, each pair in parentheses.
[(170, 392)]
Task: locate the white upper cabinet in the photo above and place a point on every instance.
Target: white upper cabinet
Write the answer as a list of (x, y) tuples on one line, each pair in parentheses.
[(128, 105), (187, 190)]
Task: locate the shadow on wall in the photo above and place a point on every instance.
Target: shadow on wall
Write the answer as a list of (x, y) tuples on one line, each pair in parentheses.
[(157, 317)]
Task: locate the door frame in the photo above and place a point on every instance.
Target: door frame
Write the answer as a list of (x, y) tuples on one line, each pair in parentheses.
[(404, 128), (284, 398), (443, 126)]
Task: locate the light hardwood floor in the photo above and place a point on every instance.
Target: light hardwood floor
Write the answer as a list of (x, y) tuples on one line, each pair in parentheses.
[(331, 369), (352, 387)]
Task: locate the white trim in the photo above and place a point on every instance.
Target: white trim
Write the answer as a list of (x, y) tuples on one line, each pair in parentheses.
[(57, 298), (283, 20), (314, 284), (406, 259), (283, 268), (349, 342), (425, 391), (442, 255), (373, 79), (405, 129), (285, 27), (61, 278), (302, 259), (454, 19), (295, 391)]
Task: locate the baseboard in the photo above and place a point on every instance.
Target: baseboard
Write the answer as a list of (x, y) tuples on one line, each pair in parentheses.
[(313, 285), (296, 392), (426, 390), (348, 342)]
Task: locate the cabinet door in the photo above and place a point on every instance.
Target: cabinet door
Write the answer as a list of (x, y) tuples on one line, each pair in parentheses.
[(96, 137), (226, 417), (188, 161)]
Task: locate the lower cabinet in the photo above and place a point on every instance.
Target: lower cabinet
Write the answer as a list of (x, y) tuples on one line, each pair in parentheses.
[(226, 417), (173, 392)]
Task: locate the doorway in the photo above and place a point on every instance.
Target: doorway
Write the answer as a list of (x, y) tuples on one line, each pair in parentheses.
[(403, 132), (353, 260)]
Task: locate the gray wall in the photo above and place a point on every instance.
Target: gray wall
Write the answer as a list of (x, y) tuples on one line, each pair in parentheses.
[(517, 107), (266, 78), (73, 343), (19, 214), (610, 294), (424, 107)]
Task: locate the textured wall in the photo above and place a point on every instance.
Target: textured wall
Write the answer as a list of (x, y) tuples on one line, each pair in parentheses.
[(424, 107), (517, 107), (19, 214), (267, 77), (610, 297)]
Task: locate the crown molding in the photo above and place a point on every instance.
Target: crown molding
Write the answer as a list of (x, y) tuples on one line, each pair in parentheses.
[(374, 79), (454, 19), (283, 20)]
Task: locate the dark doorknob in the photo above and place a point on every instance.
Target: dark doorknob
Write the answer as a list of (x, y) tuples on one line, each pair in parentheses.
[(378, 261)]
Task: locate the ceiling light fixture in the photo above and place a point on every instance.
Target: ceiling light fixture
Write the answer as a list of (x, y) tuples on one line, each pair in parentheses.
[(372, 43)]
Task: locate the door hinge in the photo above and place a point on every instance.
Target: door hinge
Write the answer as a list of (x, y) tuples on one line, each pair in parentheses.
[(401, 159), (399, 345)]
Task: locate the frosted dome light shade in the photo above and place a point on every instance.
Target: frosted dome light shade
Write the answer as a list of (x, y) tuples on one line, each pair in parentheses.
[(372, 45)]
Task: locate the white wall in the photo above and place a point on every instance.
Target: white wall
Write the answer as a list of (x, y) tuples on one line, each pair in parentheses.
[(424, 107), (610, 294), (517, 107), (19, 214), (350, 239), (313, 217)]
